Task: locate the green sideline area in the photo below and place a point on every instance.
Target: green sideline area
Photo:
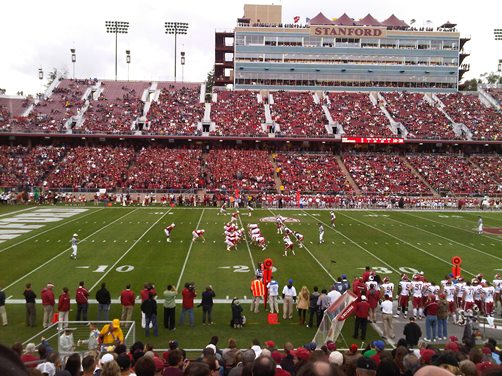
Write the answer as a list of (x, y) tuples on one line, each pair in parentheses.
[(128, 245)]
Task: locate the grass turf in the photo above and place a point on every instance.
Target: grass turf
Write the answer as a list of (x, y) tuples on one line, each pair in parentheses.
[(127, 245)]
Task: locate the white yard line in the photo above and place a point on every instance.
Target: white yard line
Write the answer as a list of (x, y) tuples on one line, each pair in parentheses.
[(65, 222), (353, 242), (444, 237), (18, 211), (253, 265), (63, 252), (188, 253), (405, 242), (458, 228)]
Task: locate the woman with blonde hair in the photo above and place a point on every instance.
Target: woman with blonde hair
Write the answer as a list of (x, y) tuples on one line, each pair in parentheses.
[(110, 369), (303, 304)]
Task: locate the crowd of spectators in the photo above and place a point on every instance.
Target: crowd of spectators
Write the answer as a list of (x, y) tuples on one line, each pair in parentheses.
[(383, 174), (239, 169), (162, 168), (116, 109), (422, 120), (484, 122), (454, 174), (4, 118), (358, 116), (177, 111), (92, 167), (491, 163), (496, 94), (238, 113), (297, 114), (311, 173)]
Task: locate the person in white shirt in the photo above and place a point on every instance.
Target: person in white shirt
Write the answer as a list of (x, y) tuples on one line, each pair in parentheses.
[(388, 327), (321, 233), (66, 343), (273, 295), (480, 225), (289, 296)]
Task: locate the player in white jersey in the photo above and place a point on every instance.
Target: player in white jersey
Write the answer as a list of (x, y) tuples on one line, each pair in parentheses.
[(404, 295), (488, 299), (417, 287), (478, 290), (250, 210), (333, 218), (450, 292), (433, 289), (497, 284), (299, 239), (480, 225), (235, 217), (231, 242), (321, 233), (279, 223), (468, 296), (74, 246), (460, 287), (168, 231), (288, 245), (387, 288), (223, 209), (198, 234)]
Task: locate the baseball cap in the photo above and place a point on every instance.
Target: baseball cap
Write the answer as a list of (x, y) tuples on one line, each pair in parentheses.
[(366, 363), (344, 276), (270, 343), (363, 297), (276, 355), (427, 355), (310, 346), (106, 358), (290, 281), (49, 285), (336, 357), (301, 353), (379, 345), (116, 323), (353, 347)]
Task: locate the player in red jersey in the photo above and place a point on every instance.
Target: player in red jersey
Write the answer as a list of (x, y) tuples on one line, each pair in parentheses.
[(168, 231), (196, 234)]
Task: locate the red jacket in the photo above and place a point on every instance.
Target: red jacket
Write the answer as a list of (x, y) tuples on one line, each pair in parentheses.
[(48, 297), (82, 295), (362, 309), (188, 297), (127, 297), (431, 308), (64, 302), (145, 293)]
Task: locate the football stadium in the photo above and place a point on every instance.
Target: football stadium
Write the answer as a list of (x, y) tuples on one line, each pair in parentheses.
[(326, 202)]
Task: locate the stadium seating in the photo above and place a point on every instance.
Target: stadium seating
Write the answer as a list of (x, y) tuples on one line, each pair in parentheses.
[(116, 109), (311, 173), (491, 164), (92, 167), (4, 118), (358, 116), (238, 113), (383, 174), (162, 168), (239, 169), (484, 122), (422, 120), (454, 174), (297, 114), (177, 111), (496, 94)]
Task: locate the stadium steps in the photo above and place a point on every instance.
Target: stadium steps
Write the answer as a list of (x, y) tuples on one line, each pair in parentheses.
[(277, 179), (347, 174), (419, 176)]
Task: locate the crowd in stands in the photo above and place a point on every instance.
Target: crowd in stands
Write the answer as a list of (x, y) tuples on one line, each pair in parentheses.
[(177, 111), (357, 115), (383, 173), (311, 173), (489, 163), (118, 106), (239, 169), (162, 168), (297, 114), (238, 113), (454, 174), (484, 122), (4, 118), (496, 94), (421, 119), (92, 167)]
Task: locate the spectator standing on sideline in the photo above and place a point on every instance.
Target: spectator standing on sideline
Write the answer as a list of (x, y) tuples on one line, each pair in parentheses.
[(303, 304), (273, 294), (289, 296), (362, 308), (188, 295), (258, 291), (431, 309), (149, 308), (170, 307), (388, 326), (313, 306), (82, 298), (3, 312), (104, 300), (31, 313), (207, 305), (322, 305), (412, 332), (127, 299), (442, 317), (48, 302), (63, 308)]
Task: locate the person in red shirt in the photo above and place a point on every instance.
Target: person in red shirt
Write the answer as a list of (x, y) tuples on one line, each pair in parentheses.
[(373, 295), (48, 302), (362, 308), (127, 298), (148, 288), (82, 298), (188, 295), (431, 319), (64, 308), (29, 358)]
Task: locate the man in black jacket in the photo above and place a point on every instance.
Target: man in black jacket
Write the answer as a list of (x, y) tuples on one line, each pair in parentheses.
[(149, 308), (104, 300), (412, 333)]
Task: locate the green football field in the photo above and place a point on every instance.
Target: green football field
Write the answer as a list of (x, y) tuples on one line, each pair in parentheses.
[(127, 245)]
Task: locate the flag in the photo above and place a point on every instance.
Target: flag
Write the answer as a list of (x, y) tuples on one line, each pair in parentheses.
[(296, 19)]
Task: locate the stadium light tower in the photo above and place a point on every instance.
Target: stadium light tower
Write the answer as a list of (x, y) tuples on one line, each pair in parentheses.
[(182, 66), (498, 36), (116, 27), (176, 28), (73, 59), (128, 61)]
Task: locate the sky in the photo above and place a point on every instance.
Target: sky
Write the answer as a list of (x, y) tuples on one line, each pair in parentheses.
[(39, 34)]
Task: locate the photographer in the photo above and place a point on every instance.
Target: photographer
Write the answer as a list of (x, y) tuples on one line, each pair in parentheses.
[(188, 295), (207, 305)]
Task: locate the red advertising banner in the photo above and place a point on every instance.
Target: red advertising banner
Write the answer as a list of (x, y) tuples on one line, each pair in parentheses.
[(372, 140), (347, 311)]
